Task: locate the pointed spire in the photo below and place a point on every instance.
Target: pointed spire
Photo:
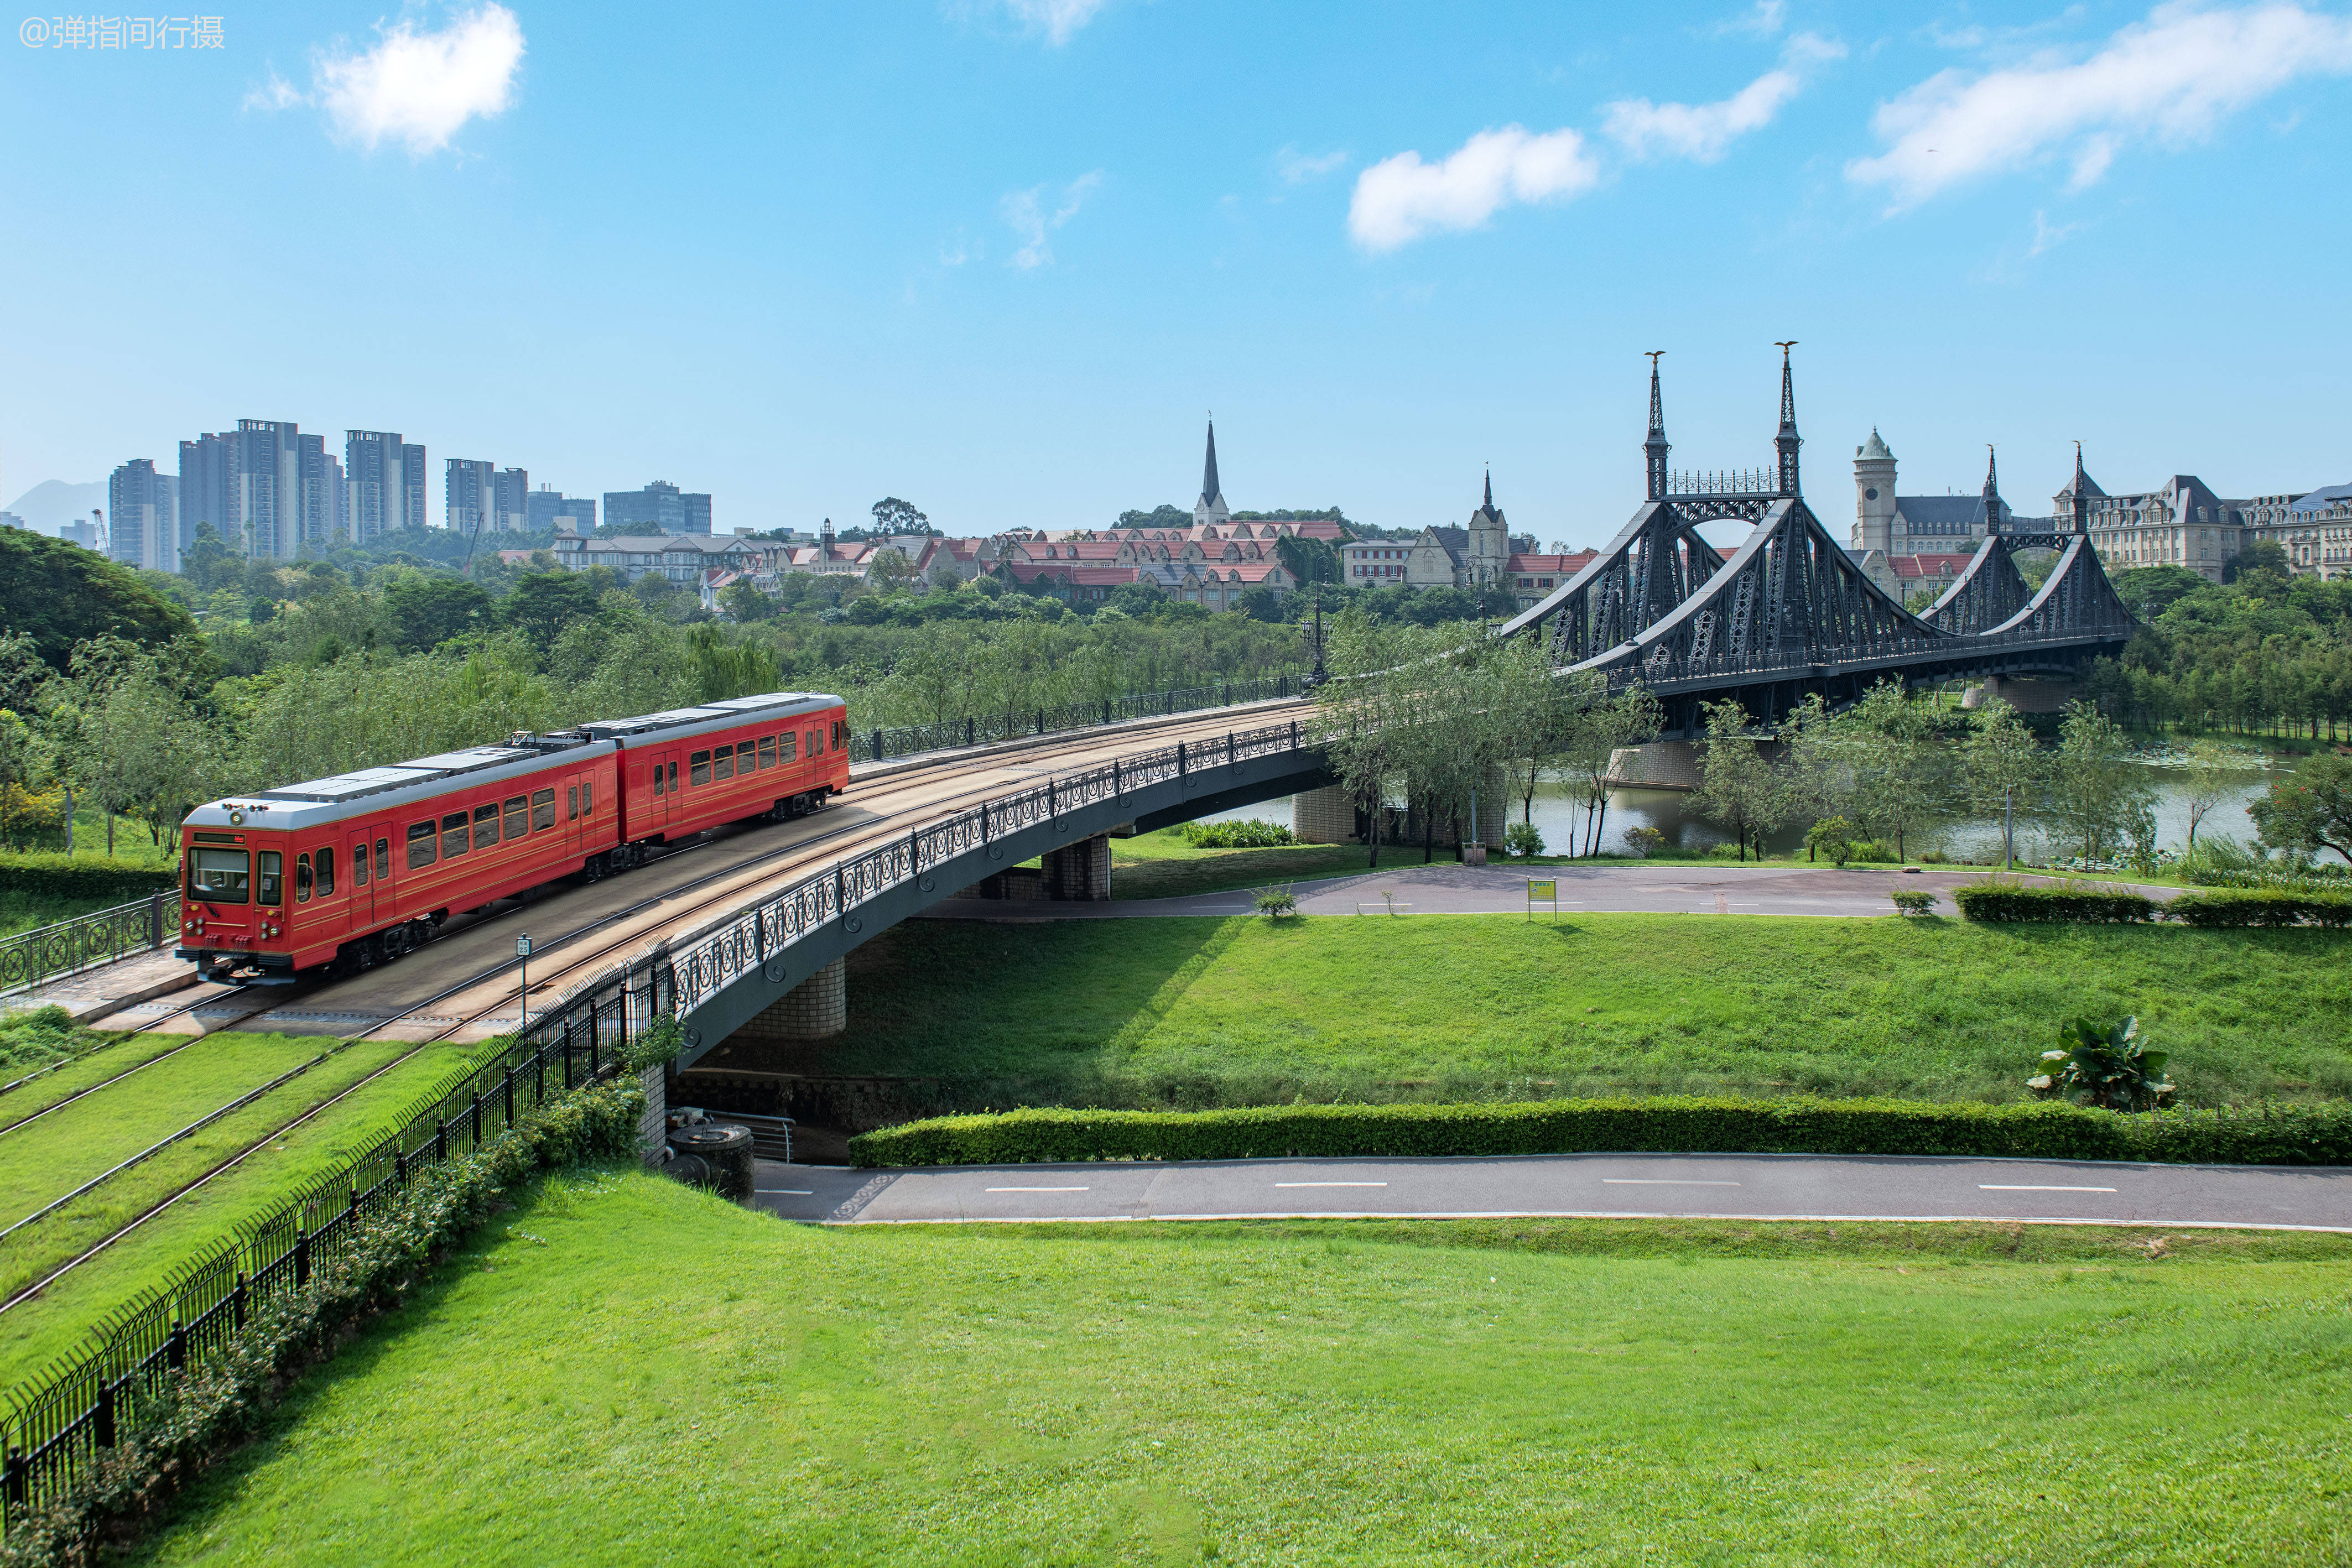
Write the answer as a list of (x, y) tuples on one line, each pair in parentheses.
[(2080, 491), (1787, 442), (1991, 491), (1654, 449), (1490, 489), (1211, 507)]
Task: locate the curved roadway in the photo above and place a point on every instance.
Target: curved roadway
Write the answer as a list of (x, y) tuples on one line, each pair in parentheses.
[(1587, 1187)]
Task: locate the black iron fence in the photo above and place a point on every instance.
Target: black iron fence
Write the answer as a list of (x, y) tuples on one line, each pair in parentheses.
[(49, 951), (56, 1423), (907, 740)]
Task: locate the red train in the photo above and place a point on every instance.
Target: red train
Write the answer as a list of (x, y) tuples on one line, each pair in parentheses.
[(347, 872)]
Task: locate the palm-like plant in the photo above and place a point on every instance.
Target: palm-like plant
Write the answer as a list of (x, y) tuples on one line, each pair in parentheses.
[(2105, 1065)]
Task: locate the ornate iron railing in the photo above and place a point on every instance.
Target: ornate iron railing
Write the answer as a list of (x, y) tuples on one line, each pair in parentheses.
[(56, 1424), (49, 951), (907, 740), (706, 961)]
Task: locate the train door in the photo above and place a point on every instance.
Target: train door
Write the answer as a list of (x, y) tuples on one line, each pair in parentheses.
[(360, 875), (672, 803)]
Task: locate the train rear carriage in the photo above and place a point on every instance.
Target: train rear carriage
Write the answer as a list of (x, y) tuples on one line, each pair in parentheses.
[(360, 867), (779, 755)]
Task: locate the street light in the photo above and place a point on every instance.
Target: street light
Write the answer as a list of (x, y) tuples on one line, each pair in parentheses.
[(522, 952)]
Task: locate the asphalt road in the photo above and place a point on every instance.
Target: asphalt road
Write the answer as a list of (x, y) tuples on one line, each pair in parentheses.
[(1718, 1187), (1451, 888)]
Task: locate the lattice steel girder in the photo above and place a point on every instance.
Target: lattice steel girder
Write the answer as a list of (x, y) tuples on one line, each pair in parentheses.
[(1988, 593), (1655, 562), (2076, 599)]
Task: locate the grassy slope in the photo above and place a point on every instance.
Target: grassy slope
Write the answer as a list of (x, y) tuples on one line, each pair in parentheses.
[(624, 1368), (1203, 1012), (48, 1158)]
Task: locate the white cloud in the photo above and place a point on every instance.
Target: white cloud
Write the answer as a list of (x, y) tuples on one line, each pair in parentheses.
[(1296, 168), (1025, 212), (2169, 80), (420, 87), (1057, 20), (1399, 199), (275, 94), (1703, 132), (2047, 234), (1762, 19)]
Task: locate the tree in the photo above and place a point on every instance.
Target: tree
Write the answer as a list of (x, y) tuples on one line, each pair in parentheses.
[(1308, 561), (1900, 765), (1596, 732), (744, 603), (2147, 591), (2310, 809), (2214, 770), (893, 516), (888, 571), (1739, 787), (60, 594), (1160, 516), (425, 610), (2002, 766), (2097, 796), (545, 603), (2263, 555)]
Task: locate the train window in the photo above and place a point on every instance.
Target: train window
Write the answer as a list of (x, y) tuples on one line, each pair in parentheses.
[(816, 743), (789, 746), (697, 768), (673, 778), (588, 798), (518, 816), (724, 765), (271, 878), (840, 727), (359, 866), (420, 843), (218, 876), (657, 778), (743, 757), (486, 825), (542, 810), (767, 751), (327, 871), (572, 799), (384, 859), (302, 877), (453, 835)]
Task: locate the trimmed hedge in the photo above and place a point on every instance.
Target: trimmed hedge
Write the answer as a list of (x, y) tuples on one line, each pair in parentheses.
[(2290, 1135), (2262, 906), (2077, 906), (54, 875)]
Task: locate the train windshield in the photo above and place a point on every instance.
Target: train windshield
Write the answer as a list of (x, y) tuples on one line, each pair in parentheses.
[(218, 876)]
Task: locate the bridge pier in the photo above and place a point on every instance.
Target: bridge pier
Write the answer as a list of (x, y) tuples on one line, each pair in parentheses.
[(2025, 696), (1079, 873), (817, 1009), (1326, 816), (1660, 765)]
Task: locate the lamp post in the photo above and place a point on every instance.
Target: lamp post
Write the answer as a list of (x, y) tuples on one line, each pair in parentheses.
[(522, 953)]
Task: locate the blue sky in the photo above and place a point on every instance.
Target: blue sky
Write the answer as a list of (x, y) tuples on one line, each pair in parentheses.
[(999, 257)]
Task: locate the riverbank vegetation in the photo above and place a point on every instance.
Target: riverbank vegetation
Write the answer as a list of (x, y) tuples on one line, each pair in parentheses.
[(1337, 1392)]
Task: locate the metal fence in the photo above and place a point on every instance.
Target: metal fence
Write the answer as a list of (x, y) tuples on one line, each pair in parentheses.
[(907, 740), (56, 1423), (85, 941), (706, 961)]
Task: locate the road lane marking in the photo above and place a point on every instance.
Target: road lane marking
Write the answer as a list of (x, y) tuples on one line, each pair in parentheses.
[(786, 1192), (1331, 1184), (1660, 1181), (1036, 1189), (2028, 1186)]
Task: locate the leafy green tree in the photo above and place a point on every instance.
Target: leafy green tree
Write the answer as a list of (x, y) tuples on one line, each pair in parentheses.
[(2310, 809), (745, 603), (2147, 591), (1900, 766), (2096, 797), (1308, 561), (1738, 786), (2214, 770), (893, 516), (2002, 766), (427, 610), (1160, 516), (545, 603), (890, 571), (60, 594), (1595, 734)]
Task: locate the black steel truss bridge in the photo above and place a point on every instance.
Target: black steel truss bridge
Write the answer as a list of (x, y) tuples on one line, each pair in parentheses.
[(1791, 612)]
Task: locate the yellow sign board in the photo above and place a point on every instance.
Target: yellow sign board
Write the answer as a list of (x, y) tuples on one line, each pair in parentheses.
[(1545, 889)]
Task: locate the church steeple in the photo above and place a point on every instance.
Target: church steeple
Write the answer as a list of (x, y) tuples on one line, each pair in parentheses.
[(1211, 507), (1787, 442), (1490, 489), (1654, 449)]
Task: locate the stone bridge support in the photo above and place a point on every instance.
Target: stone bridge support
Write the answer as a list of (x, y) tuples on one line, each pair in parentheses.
[(817, 1009), (1325, 816), (2025, 696), (1079, 873)]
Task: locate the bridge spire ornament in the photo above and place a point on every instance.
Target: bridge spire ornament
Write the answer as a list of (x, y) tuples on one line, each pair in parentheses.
[(2081, 494), (1991, 491), (1655, 448), (1787, 442)]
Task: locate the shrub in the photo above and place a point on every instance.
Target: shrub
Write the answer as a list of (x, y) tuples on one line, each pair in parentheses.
[(1249, 835), (1934, 857), (1644, 841), (1274, 903), (2098, 1065), (56, 876), (1521, 839), (1724, 851), (2002, 901), (1920, 902), (2298, 1134), (2263, 906), (1833, 837), (1877, 851)]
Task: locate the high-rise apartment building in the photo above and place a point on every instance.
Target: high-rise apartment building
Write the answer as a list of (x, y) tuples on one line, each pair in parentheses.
[(543, 506), (510, 501), (209, 488), (660, 507), (469, 490), (271, 502), (143, 509), (384, 482)]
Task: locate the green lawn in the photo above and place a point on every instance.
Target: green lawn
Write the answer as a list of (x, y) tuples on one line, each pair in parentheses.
[(1187, 1013), (622, 1371), (54, 1156)]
